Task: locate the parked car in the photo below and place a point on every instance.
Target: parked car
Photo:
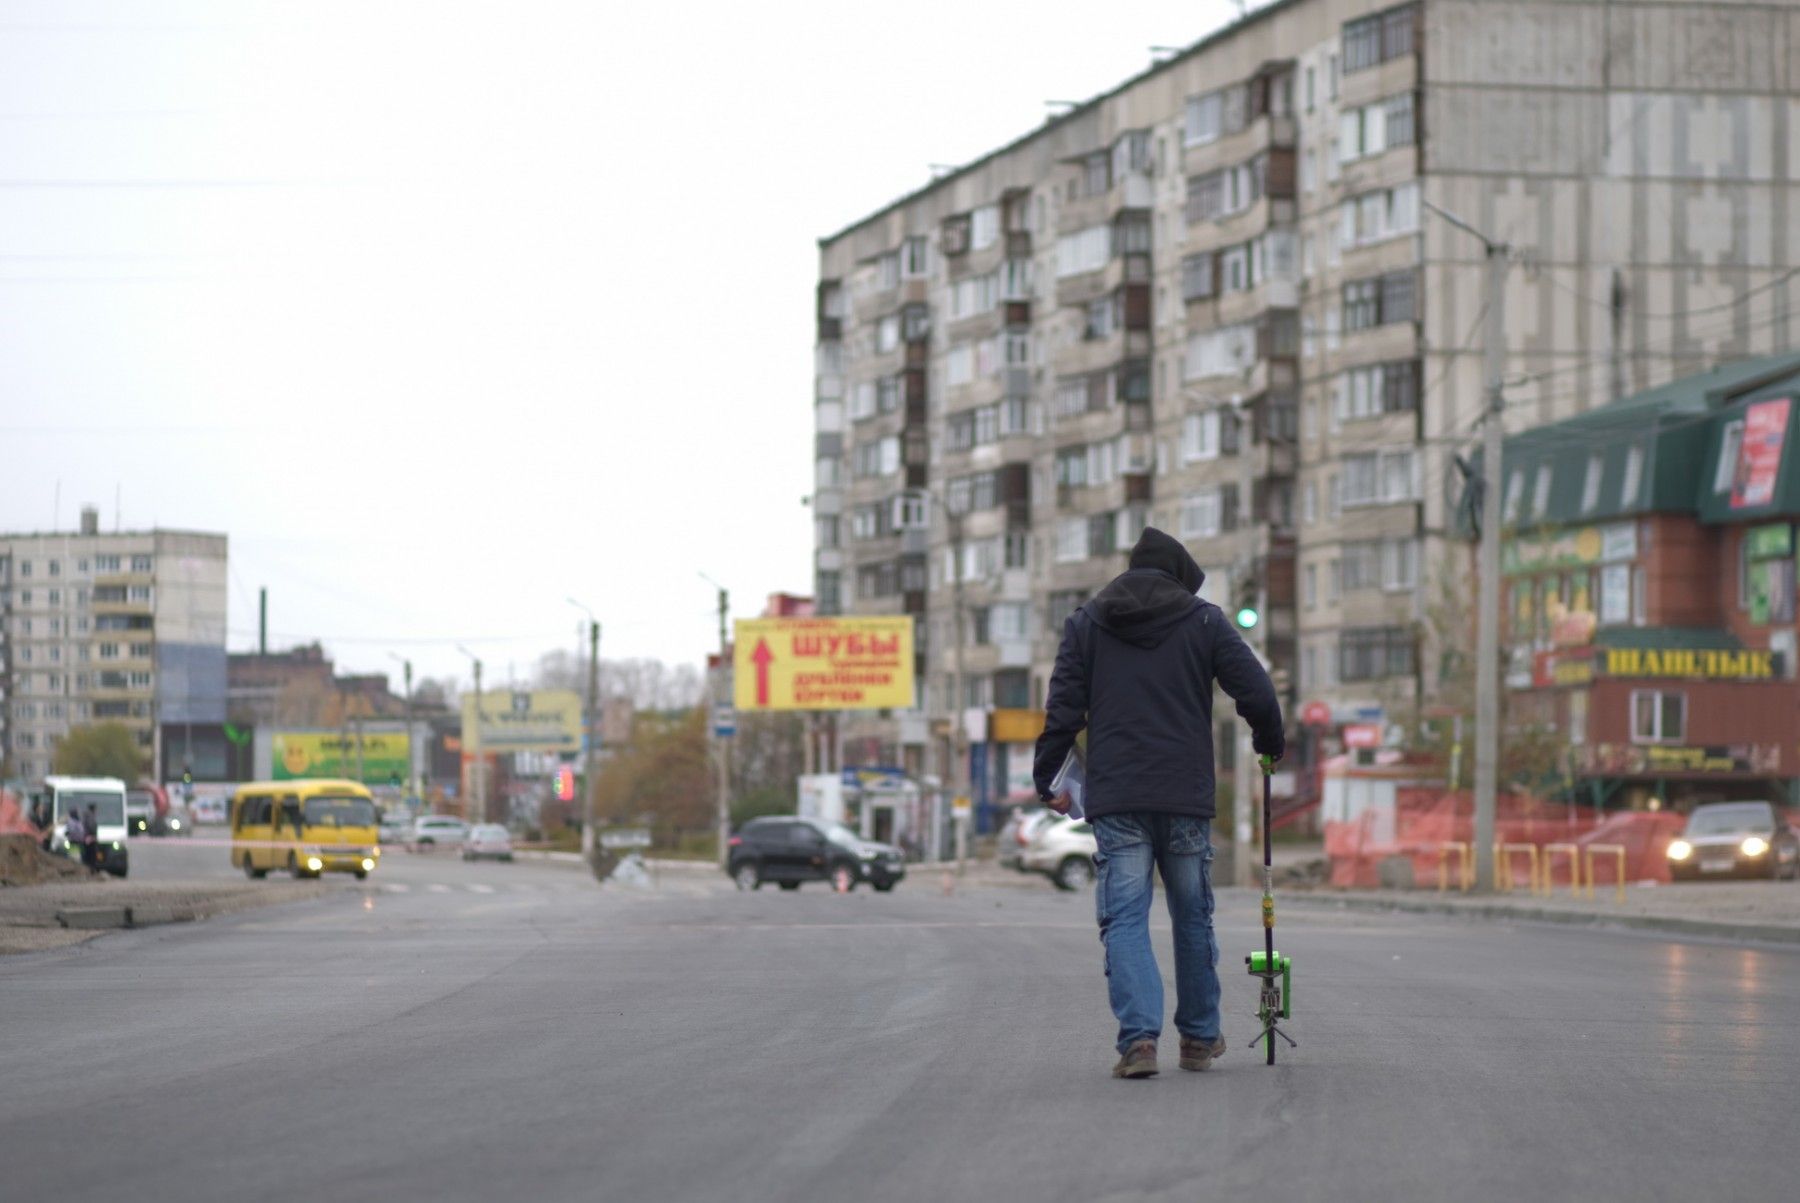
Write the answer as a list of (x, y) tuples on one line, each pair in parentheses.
[(1016, 836), (789, 850), (1735, 839), (396, 828), (488, 839), (1063, 849), (429, 831)]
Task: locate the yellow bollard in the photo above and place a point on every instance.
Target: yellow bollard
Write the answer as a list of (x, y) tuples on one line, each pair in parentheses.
[(1503, 865), (1574, 851), (1465, 860), (1615, 850)]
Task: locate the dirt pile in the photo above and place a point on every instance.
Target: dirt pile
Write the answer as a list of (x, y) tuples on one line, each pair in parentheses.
[(23, 863)]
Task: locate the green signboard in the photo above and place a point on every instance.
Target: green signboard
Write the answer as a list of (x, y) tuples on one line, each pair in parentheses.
[(1772, 542)]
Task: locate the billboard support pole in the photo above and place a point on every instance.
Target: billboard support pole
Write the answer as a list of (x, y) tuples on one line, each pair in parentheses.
[(723, 743)]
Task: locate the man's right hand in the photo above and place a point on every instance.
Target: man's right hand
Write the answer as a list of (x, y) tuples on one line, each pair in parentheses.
[(1059, 804)]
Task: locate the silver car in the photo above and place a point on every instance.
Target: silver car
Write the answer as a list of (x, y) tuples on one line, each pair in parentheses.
[(488, 839), (434, 831)]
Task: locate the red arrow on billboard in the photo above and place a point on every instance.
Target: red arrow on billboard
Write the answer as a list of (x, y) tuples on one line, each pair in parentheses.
[(761, 657)]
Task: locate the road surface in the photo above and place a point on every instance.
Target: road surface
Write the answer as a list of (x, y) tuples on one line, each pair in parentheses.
[(457, 1031)]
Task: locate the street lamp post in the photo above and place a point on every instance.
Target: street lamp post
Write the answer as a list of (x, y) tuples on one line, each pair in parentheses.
[(591, 724), (412, 757), (478, 775)]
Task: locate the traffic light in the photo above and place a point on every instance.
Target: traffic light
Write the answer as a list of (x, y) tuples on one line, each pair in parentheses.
[(565, 783), (187, 775), (1244, 611)]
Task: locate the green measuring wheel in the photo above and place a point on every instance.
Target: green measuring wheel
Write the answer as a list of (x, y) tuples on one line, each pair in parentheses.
[(1275, 999)]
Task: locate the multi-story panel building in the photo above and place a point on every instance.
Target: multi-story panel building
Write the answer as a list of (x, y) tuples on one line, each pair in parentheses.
[(124, 627), (1223, 298)]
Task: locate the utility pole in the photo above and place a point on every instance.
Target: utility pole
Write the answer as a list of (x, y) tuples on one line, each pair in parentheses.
[(471, 739), (1487, 615), (1487, 560), (412, 760), (262, 621), (593, 720), (717, 691), (959, 733)]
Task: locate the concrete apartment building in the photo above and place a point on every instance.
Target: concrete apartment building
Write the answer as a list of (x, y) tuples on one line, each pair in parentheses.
[(1215, 299), (124, 627)]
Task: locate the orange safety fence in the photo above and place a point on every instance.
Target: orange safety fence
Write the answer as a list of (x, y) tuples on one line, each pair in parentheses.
[(1429, 827), (12, 816)]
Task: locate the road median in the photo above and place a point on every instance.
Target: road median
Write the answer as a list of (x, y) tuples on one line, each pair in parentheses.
[(1760, 911), (57, 914)]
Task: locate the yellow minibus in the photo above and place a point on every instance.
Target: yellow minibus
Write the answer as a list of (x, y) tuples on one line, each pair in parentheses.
[(305, 827)]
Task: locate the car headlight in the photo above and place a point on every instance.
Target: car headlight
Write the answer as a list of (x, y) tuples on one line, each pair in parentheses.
[(174, 824), (368, 863), (117, 846), (1754, 846), (314, 863), (1680, 850)]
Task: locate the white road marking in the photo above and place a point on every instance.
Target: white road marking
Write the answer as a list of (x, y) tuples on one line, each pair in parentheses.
[(396, 887), (438, 887), (481, 889)]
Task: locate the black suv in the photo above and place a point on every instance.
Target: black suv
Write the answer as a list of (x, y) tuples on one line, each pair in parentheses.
[(788, 850)]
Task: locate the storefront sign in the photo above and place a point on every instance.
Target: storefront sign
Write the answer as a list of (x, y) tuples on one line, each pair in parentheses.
[(1572, 667), (1015, 726), (1576, 547), (1772, 542), (1771, 587), (826, 664), (1362, 735), (1635, 759), (1759, 454), (1708, 664)]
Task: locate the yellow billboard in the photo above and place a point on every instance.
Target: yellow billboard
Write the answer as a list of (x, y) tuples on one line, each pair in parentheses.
[(382, 755), (824, 663), (519, 720)]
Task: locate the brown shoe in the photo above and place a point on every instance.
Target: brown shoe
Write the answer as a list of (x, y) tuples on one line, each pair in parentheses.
[(1138, 1061), (1198, 1054)]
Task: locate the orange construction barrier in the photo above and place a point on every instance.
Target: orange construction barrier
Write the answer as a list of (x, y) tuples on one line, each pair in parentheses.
[(1503, 865), (1465, 856), (1574, 854), (1619, 874)]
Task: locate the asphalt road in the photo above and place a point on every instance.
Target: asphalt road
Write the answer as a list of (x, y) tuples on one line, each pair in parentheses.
[(478, 1031)]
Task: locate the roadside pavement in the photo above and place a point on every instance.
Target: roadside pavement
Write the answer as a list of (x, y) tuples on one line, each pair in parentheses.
[(1739, 910)]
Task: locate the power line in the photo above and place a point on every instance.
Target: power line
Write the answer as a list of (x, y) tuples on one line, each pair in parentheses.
[(1721, 307)]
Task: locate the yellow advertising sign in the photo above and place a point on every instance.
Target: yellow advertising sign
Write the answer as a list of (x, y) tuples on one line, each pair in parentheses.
[(824, 663), (1715, 664), (382, 755), (517, 720)]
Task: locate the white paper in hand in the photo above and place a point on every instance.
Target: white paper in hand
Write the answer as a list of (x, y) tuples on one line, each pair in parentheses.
[(1071, 779)]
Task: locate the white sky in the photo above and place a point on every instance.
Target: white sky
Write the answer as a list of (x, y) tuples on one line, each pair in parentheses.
[(448, 311)]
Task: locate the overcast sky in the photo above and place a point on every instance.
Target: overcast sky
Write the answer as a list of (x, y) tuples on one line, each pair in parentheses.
[(446, 312)]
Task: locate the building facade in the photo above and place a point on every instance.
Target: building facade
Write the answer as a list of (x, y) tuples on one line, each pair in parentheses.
[(125, 627), (1648, 599), (1220, 299)]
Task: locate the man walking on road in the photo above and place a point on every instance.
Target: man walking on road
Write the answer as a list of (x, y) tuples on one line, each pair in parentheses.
[(1136, 668)]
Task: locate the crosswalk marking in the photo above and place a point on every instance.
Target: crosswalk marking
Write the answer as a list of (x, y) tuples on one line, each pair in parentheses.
[(438, 887), (396, 887), (481, 889)]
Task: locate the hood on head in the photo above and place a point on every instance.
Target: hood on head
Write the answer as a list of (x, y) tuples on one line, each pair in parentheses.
[(1142, 605)]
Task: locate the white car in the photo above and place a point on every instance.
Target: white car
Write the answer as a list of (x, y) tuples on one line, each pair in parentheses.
[(1018, 833), (1063, 848), (431, 831), (488, 839)]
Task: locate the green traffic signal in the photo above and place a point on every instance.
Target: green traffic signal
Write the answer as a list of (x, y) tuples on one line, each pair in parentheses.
[(1247, 617)]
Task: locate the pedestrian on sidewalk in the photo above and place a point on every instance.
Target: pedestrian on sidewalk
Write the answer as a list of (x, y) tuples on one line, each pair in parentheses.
[(75, 834), (90, 844), (1136, 669)]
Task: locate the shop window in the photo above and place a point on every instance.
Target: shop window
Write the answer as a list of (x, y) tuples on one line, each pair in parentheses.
[(1658, 716)]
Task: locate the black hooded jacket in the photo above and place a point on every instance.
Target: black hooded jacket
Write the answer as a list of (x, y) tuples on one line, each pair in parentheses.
[(1136, 668)]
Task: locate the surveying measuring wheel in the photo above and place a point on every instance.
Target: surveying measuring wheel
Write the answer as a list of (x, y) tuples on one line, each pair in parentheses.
[(1275, 998)]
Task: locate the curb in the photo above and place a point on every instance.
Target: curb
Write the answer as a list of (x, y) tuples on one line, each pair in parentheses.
[(1668, 925)]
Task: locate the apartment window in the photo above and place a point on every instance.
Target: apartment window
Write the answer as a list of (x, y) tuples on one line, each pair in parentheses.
[(25, 566), (828, 591), (1399, 564), (1398, 118), (915, 258), (1360, 567), (1658, 716), (1377, 478), (887, 271), (1634, 476), (55, 596), (1102, 534), (140, 593), (55, 567), (1200, 436), (1374, 216), (140, 680), (1100, 315), (1397, 31), (984, 227), (887, 333), (1731, 439), (1362, 43), (1311, 79), (1202, 119), (1362, 304), (1309, 587), (1201, 514), (1309, 503), (1084, 251), (1372, 653), (1205, 196), (1197, 277), (24, 597), (1071, 540), (102, 564), (109, 651)]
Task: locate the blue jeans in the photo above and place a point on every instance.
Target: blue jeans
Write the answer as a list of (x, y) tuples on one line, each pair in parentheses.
[(1131, 844)]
